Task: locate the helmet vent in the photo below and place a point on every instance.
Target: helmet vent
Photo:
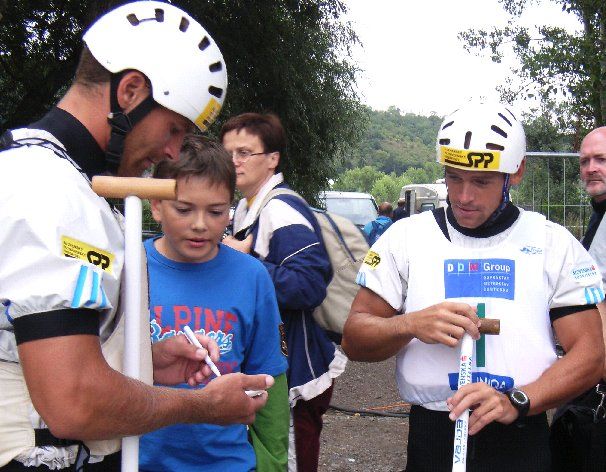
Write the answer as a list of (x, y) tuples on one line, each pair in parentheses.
[(495, 147), (216, 91), (447, 124), (498, 130), (444, 141), (511, 113), (132, 19), (215, 67), (183, 25), (505, 118), (467, 140), (204, 43)]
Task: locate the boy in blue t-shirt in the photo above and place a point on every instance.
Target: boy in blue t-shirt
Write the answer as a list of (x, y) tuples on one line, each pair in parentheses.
[(195, 280)]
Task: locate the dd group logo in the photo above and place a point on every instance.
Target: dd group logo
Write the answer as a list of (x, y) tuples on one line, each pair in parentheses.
[(491, 278)]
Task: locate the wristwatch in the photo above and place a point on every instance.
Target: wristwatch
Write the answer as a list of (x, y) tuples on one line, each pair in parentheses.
[(520, 402)]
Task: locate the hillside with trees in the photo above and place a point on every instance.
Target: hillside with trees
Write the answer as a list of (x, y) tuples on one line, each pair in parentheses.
[(396, 149)]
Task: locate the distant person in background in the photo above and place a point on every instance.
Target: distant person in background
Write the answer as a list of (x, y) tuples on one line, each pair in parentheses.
[(400, 211), (578, 439), (377, 227)]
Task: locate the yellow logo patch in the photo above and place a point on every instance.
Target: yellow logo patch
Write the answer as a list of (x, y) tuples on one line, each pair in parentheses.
[(472, 160), (86, 252), (208, 115), (372, 259)]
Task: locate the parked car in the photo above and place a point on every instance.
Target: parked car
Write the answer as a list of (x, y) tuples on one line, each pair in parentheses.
[(358, 207)]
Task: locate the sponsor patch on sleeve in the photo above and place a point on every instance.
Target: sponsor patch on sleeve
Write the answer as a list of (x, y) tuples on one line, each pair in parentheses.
[(372, 259), (584, 272), (83, 251)]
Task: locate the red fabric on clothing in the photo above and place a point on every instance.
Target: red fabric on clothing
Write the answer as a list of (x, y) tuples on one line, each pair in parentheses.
[(307, 418)]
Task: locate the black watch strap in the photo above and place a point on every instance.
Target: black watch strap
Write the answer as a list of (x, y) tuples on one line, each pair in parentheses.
[(520, 402)]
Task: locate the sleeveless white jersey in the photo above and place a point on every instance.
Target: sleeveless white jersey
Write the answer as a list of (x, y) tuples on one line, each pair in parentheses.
[(537, 266), (597, 249), (62, 246)]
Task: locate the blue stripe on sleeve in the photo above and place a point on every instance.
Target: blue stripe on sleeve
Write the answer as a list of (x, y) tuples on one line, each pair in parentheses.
[(79, 286)]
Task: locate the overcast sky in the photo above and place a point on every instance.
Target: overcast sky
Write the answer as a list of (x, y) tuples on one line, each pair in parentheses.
[(411, 57)]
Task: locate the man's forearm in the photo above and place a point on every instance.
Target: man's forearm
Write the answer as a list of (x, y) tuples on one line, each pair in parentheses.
[(563, 381), (579, 369), (116, 406), (371, 338), (80, 397)]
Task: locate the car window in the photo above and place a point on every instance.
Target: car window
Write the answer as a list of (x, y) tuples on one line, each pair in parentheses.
[(358, 210)]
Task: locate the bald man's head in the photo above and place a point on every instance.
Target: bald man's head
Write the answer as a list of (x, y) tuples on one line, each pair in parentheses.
[(592, 162)]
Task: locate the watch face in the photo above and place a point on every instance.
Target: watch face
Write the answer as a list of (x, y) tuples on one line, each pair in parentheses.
[(519, 397)]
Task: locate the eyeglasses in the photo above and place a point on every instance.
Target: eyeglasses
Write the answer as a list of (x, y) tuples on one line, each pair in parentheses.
[(243, 155)]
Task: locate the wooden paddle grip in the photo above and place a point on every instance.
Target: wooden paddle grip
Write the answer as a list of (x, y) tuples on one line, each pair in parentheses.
[(122, 187), (490, 326)]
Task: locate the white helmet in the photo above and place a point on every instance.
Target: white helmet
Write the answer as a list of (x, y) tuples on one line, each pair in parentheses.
[(181, 60), (482, 136)]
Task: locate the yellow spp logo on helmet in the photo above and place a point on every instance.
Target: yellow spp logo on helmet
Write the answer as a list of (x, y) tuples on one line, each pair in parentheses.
[(208, 115), (471, 160)]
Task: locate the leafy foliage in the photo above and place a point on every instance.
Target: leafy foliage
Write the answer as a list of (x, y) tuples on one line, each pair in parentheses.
[(396, 141), (554, 64), (289, 57)]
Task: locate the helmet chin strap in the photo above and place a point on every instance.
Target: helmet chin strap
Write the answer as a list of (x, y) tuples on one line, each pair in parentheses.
[(504, 201), (122, 123)]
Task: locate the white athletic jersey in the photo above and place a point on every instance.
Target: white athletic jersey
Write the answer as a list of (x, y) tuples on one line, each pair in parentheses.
[(519, 275), (61, 248), (597, 249)]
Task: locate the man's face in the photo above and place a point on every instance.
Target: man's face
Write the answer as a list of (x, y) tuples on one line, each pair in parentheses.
[(156, 137), (473, 195), (593, 164), (254, 171), (193, 224)]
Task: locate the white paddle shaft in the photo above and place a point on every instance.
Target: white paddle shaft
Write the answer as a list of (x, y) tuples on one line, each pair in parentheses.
[(132, 311), (459, 454)]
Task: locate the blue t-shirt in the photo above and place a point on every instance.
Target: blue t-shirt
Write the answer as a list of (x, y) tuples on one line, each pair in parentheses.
[(230, 298)]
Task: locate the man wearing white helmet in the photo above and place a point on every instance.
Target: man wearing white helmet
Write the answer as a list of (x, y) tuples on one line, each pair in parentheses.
[(425, 278), (148, 73)]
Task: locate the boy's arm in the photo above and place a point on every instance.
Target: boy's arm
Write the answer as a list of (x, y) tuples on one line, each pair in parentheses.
[(269, 432)]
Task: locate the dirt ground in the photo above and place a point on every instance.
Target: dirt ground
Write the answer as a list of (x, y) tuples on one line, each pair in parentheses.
[(359, 443)]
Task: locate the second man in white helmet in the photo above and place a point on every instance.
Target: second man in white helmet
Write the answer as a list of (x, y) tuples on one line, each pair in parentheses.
[(423, 280)]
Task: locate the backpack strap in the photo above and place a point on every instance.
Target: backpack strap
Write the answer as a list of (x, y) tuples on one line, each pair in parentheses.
[(244, 232)]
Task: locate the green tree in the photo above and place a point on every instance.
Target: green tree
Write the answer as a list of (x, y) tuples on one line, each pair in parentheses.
[(554, 64), (358, 180), (285, 56), (387, 188)]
